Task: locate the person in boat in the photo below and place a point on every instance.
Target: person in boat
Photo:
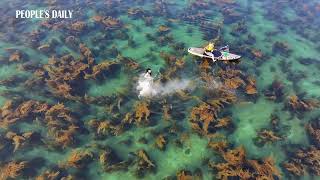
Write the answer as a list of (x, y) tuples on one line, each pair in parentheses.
[(209, 48), (211, 51)]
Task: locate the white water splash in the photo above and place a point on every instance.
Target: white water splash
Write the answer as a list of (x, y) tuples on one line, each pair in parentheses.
[(148, 88)]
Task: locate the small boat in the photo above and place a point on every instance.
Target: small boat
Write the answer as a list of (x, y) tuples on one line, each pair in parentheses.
[(222, 54)]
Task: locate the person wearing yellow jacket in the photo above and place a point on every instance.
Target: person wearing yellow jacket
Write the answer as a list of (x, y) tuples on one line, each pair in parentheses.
[(209, 48)]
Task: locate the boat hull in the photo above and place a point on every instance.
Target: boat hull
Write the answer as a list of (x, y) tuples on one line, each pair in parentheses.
[(225, 56)]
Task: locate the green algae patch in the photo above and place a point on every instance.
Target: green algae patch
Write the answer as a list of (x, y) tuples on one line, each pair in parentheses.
[(249, 118), (182, 158), (108, 87)]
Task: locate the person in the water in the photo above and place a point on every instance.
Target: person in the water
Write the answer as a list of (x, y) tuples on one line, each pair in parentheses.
[(146, 86), (148, 73)]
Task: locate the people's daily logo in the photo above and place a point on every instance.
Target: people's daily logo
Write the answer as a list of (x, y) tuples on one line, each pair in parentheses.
[(44, 13)]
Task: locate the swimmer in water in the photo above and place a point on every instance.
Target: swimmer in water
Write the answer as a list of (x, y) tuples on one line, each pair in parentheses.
[(145, 85), (148, 73)]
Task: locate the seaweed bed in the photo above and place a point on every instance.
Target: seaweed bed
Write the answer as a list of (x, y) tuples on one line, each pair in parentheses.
[(70, 110)]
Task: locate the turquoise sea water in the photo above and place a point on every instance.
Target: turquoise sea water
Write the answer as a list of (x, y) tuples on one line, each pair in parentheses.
[(133, 34)]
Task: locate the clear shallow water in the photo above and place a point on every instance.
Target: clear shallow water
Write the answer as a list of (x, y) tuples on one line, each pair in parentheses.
[(248, 26)]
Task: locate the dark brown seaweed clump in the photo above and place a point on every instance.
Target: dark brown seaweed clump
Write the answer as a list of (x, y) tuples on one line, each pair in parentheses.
[(188, 175), (161, 142), (203, 118), (129, 63), (60, 121), (110, 161), (62, 126), (267, 136), (161, 8), (275, 132), (228, 9), (304, 160), (136, 12), (275, 91), (16, 56), (281, 47), (142, 113), (139, 117), (144, 163), (20, 140), (251, 88), (162, 29), (313, 129), (103, 128), (256, 53), (231, 78), (54, 174), (12, 169), (64, 75), (239, 29), (108, 22), (219, 146), (78, 159), (164, 39), (12, 112), (297, 105), (78, 26), (236, 165)]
